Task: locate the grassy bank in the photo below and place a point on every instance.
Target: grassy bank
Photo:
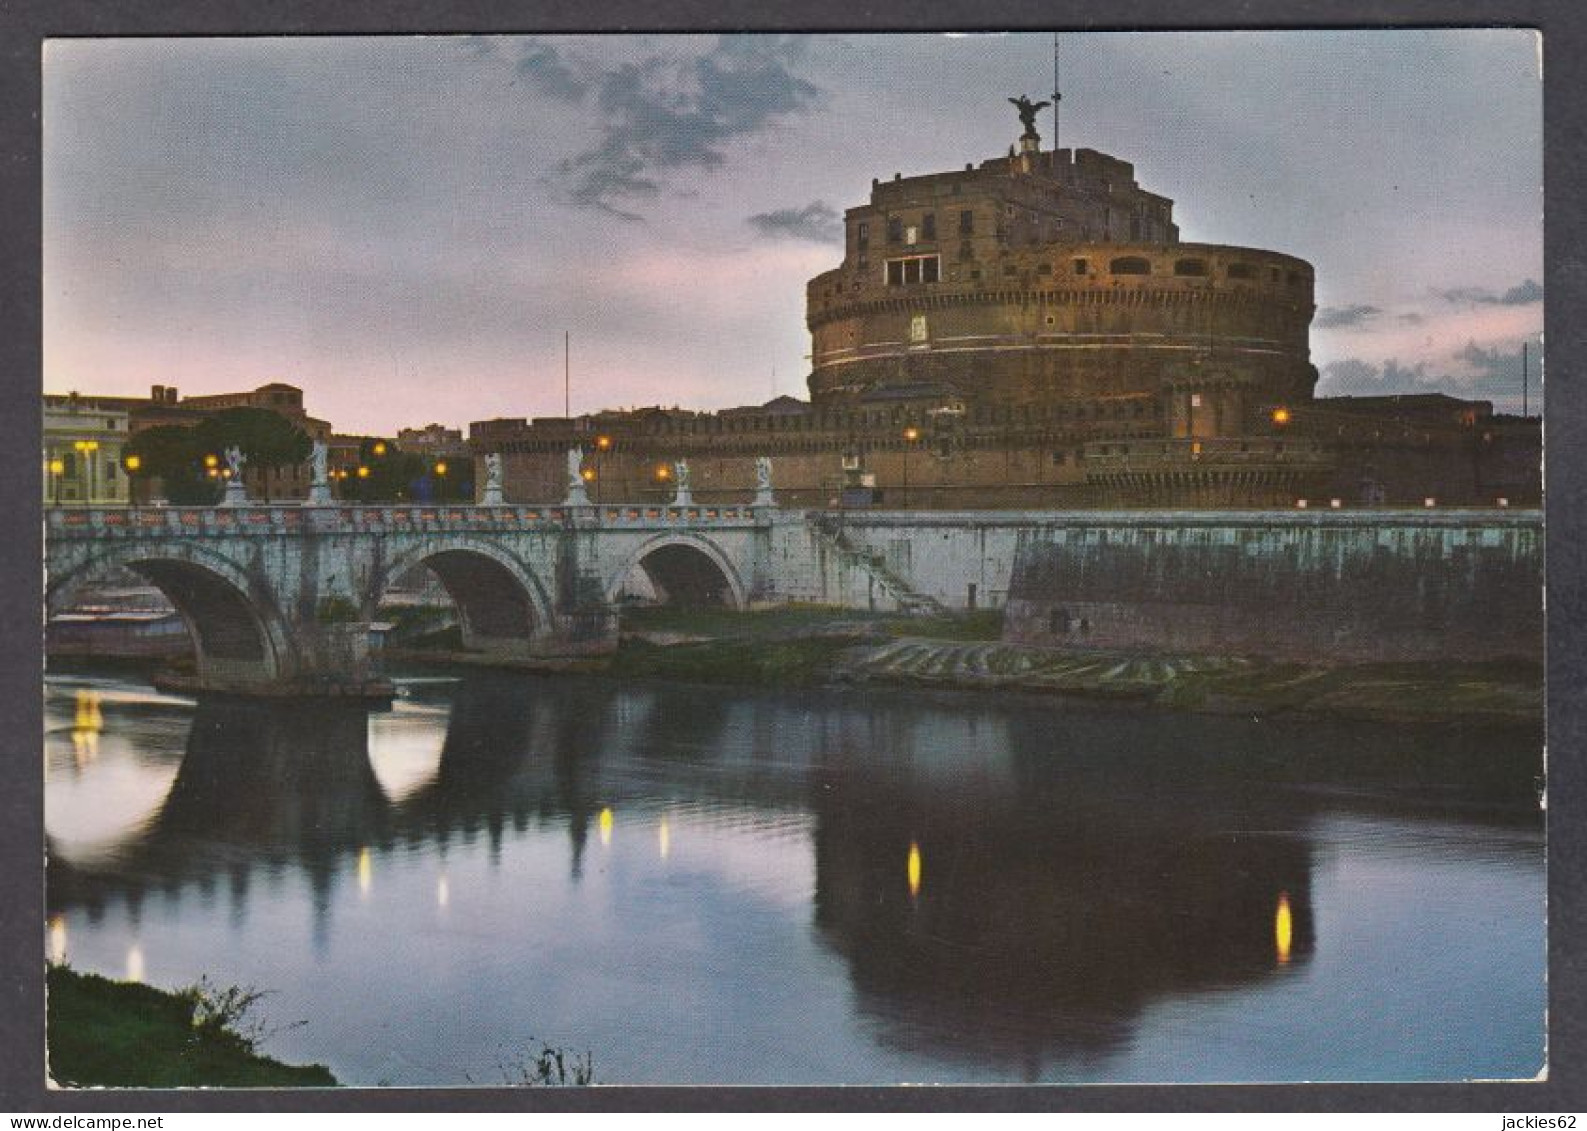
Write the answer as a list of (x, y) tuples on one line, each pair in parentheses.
[(812, 646), (128, 1035)]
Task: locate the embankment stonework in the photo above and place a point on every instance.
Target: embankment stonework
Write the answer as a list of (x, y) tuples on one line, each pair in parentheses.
[(1309, 587)]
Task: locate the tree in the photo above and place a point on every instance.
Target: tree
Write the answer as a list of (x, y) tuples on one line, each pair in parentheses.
[(268, 439), (173, 454)]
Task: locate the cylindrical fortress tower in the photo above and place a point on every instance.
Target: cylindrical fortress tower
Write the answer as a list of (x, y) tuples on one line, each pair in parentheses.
[(1043, 278)]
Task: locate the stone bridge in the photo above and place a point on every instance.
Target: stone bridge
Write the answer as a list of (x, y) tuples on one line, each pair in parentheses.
[(281, 597)]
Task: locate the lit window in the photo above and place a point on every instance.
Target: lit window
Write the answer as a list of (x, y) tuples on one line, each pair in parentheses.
[(917, 328)]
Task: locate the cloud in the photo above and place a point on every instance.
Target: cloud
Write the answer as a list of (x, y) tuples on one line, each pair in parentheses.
[(817, 221), (1522, 294), (1337, 317), (663, 115), (1491, 372), (549, 73)]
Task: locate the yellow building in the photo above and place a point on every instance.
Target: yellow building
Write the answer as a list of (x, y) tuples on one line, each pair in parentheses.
[(83, 441)]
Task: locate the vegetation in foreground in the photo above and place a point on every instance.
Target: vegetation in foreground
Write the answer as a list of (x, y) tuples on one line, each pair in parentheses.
[(104, 1033)]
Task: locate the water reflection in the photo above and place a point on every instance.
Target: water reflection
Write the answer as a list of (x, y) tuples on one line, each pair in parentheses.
[(1084, 868), (1058, 907)]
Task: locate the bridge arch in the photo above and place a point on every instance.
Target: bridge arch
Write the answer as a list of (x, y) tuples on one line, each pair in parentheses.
[(683, 565), (501, 604), (238, 632)]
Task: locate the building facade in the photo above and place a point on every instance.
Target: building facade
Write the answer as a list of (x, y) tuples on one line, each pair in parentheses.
[(83, 458)]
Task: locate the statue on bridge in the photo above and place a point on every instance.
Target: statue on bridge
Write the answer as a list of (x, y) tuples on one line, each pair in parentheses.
[(236, 493), (493, 496), (763, 496), (577, 495), (680, 475), (320, 481)]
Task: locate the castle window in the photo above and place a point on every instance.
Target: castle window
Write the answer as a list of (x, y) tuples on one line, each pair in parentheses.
[(1241, 271), (895, 230), (1009, 270), (1272, 273), (1190, 267), (911, 235), (1082, 266), (966, 222), (1135, 228), (917, 328), (1130, 265), (862, 234), (928, 225), (966, 251), (915, 269)]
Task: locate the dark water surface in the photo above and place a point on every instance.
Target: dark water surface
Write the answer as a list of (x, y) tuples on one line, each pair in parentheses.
[(730, 886)]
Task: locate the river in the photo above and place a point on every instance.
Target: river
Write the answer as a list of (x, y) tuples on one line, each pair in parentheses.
[(734, 886)]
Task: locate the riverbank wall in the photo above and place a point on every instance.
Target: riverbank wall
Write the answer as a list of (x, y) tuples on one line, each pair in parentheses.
[(1312, 586)]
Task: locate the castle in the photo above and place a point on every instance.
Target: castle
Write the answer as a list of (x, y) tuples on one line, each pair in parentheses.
[(1030, 332)]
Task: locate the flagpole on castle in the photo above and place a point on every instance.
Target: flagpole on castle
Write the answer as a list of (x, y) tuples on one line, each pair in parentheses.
[(1056, 97)]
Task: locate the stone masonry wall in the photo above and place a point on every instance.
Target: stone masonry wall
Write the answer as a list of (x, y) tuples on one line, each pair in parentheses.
[(1298, 585)]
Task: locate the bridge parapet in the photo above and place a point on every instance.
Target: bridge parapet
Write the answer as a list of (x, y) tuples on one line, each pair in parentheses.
[(275, 519)]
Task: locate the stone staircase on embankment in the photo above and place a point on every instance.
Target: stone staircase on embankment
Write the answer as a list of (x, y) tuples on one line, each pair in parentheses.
[(829, 531)]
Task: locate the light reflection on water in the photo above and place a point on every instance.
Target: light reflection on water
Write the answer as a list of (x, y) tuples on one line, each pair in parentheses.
[(735, 887)]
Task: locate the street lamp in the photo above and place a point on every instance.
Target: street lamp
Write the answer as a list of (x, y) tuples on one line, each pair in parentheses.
[(58, 469), (1281, 416), (603, 444), (911, 434), (86, 449), (380, 448)]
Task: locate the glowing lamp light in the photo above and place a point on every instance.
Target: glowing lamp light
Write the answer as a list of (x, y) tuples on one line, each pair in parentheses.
[(132, 463), (212, 461), (1281, 416), (86, 445), (603, 442), (1283, 928), (57, 939), (1300, 504), (1336, 503), (1502, 501), (363, 472), (443, 892), (912, 870), (57, 466), (604, 822), (1429, 502), (366, 872), (135, 970), (663, 472), (664, 839), (212, 473), (911, 434), (588, 474), (440, 467), (380, 448)]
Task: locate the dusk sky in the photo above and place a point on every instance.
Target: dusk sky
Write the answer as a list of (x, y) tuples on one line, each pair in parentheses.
[(404, 227)]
